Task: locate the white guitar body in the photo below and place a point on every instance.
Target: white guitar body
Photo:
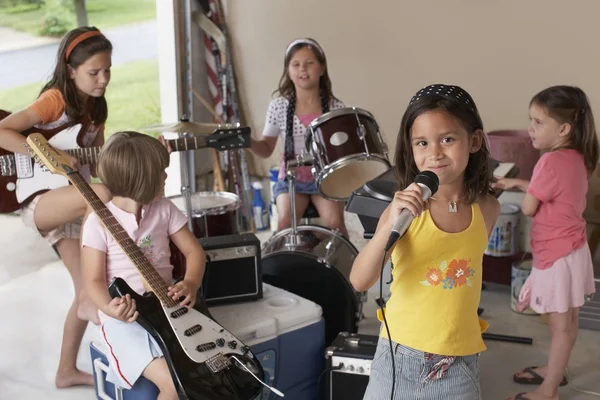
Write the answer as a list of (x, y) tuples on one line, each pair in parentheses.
[(30, 180)]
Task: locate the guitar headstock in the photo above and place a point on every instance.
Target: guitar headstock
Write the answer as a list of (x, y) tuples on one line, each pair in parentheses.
[(47, 156), (230, 137)]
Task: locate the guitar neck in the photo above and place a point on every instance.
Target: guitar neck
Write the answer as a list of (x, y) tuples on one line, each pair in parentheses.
[(139, 260), (89, 155)]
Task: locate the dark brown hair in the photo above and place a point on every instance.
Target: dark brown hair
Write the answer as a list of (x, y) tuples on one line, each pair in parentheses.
[(131, 165), (60, 78), (478, 174), (570, 105), (286, 86)]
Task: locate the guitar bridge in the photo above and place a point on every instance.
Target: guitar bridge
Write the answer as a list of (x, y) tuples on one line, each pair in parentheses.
[(217, 363)]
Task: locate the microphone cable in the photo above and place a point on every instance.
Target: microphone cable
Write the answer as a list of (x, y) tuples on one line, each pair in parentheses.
[(387, 328)]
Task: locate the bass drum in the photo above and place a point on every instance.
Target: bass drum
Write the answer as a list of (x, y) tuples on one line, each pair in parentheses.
[(316, 266)]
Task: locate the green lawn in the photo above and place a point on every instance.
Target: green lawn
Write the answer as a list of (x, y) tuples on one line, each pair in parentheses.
[(101, 13), (133, 96)]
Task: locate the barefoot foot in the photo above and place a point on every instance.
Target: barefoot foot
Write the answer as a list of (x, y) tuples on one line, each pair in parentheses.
[(65, 379)]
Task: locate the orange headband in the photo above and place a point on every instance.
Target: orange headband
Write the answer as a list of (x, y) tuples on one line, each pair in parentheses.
[(80, 39)]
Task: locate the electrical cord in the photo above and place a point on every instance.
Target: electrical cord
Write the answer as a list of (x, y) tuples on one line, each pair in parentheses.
[(387, 329), (326, 370)]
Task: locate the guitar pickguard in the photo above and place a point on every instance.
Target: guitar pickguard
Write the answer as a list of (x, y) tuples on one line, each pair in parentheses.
[(43, 179), (200, 337)]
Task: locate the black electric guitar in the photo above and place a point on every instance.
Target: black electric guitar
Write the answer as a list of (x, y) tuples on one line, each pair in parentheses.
[(206, 361), (21, 179)]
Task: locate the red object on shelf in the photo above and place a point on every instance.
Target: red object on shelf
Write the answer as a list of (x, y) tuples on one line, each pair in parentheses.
[(514, 146), (499, 269)]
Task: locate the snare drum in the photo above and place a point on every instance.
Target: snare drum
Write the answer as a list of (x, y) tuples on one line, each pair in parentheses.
[(213, 214), (348, 151), (316, 268)]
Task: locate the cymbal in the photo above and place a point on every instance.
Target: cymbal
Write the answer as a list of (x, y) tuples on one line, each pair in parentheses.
[(181, 127)]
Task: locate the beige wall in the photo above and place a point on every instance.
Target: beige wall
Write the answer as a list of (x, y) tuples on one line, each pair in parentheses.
[(382, 51)]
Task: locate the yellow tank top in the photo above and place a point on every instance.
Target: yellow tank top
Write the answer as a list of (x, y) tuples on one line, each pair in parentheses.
[(436, 288)]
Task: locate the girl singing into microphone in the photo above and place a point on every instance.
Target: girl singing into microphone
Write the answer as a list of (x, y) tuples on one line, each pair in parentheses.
[(431, 340)]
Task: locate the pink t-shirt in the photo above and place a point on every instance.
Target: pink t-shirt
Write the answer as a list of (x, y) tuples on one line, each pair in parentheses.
[(560, 182), (160, 219)]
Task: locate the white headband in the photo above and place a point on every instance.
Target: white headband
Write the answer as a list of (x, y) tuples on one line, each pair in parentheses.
[(303, 41)]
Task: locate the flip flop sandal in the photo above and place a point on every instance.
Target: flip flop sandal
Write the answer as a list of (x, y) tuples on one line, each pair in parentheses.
[(535, 379)]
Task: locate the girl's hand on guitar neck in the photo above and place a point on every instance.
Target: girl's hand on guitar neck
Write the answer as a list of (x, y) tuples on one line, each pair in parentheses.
[(184, 289), (122, 308), (74, 162)]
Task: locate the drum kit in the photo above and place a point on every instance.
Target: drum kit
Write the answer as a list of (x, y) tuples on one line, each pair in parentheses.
[(346, 150)]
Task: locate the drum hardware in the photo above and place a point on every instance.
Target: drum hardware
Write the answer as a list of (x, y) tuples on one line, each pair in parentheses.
[(348, 151), (361, 131), (301, 160)]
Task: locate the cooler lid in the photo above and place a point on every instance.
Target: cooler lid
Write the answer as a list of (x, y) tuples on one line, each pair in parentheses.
[(278, 312)]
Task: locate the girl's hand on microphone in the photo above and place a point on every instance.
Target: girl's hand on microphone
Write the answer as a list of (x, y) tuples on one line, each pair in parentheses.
[(410, 198)]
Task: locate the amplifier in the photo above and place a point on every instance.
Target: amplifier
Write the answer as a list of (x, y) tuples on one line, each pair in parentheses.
[(233, 269), (349, 365)]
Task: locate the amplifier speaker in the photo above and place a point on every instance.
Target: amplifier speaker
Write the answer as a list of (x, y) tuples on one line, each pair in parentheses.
[(233, 269), (348, 366)]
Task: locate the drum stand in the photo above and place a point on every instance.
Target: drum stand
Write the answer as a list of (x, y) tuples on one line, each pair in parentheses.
[(293, 239)]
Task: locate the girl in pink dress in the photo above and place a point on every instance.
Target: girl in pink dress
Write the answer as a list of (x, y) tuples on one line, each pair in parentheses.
[(562, 125)]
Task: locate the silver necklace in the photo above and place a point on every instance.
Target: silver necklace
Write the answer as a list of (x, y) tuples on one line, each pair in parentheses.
[(452, 205)]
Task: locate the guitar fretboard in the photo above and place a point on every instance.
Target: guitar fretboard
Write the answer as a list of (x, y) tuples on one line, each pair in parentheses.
[(89, 155), (158, 286), (85, 155)]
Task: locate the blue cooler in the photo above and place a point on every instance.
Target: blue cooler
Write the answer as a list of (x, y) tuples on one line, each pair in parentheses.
[(142, 390), (285, 332)]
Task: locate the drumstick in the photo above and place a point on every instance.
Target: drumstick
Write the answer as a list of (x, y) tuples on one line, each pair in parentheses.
[(219, 184)]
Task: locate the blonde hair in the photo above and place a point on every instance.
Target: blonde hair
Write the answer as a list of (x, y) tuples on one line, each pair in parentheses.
[(132, 164)]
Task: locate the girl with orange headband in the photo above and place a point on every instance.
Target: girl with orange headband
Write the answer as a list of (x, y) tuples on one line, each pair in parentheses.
[(75, 93)]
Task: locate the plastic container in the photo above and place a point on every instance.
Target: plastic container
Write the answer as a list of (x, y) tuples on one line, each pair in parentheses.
[(504, 240), (259, 209), (274, 173), (514, 146), (519, 274)]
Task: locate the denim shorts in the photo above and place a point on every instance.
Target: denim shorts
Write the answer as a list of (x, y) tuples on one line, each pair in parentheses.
[(413, 370), (281, 186)]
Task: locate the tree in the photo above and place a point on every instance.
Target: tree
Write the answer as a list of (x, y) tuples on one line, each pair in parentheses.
[(81, 12)]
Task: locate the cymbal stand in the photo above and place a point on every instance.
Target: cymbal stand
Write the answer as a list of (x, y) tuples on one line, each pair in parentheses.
[(187, 162)]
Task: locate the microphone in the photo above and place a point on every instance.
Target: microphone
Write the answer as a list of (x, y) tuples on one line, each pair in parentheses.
[(429, 182)]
